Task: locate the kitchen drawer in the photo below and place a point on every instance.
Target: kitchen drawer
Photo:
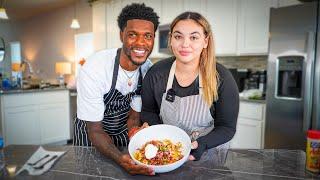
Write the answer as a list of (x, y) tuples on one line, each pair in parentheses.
[(52, 97), (23, 99), (251, 110), (19, 99)]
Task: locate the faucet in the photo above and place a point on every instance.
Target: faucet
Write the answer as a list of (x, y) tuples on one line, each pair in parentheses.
[(23, 63)]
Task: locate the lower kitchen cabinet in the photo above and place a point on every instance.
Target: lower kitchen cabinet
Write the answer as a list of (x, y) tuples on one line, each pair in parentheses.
[(21, 125), (35, 117), (250, 126), (54, 121)]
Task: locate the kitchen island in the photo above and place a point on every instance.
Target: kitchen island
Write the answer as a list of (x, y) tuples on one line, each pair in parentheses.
[(86, 163)]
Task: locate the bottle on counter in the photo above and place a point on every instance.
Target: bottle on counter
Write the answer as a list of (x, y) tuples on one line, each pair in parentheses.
[(313, 151), (2, 162)]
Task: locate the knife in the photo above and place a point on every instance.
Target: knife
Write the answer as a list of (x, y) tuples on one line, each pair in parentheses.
[(42, 165), (32, 164)]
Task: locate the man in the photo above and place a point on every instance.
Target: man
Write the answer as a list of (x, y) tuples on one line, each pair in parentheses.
[(109, 86)]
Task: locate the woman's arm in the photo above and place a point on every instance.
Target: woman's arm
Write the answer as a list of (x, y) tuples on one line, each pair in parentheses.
[(150, 109), (225, 115)]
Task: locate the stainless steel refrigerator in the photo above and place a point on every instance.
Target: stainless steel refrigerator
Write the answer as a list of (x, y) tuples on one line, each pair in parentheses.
[(293, 82)]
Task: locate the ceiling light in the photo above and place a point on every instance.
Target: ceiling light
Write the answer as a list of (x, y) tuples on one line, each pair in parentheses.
[(75, 24), (3, 14)]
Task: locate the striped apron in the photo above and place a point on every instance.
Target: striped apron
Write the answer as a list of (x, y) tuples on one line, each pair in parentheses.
[(192, 114), (115, 117)]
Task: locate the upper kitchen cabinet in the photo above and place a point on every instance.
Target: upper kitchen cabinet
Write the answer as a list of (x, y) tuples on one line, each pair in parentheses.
[(253, 26), (222, 15), (284, 3), (113, 32), (169, 10), (240, 27), (99, 25), (199, 6)]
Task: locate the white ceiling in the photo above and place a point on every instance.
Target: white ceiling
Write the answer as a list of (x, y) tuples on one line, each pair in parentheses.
[(21, 9)]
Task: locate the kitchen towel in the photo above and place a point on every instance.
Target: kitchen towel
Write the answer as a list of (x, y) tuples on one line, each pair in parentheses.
[(40, 153)]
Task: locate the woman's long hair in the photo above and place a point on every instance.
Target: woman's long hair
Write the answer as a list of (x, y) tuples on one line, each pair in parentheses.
[(210, 76)]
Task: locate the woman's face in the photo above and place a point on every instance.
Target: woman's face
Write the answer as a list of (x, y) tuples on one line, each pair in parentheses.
[(188, 40)]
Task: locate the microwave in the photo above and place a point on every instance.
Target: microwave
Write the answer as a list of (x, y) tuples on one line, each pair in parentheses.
[(163, 38)]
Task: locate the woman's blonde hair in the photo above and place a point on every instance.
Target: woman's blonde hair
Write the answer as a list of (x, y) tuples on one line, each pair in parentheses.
[(210, 76)]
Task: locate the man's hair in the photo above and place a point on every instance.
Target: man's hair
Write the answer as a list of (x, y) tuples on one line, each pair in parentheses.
[(137, 11)]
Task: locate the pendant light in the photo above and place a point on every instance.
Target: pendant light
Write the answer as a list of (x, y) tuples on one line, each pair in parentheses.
[(75, 23), (3, 14)]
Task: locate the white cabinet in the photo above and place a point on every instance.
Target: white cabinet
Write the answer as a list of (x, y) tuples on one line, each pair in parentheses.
[(170, 9), (99, 25), (35, 118), (53, 122), (250, 126), (240, 27), (222, 16), (248, 134), (253, 26), (21, 125), (284, 3)]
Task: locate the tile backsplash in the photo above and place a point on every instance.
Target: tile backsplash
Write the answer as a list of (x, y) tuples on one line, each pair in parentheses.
[(240, 62), (244, 62)]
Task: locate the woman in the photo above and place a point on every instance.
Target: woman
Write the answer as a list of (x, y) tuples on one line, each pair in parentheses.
[(190, 90)]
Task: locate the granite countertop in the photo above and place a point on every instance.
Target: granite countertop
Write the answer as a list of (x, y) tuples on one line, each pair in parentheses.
[(15, 91), (262, 101), (86, 163)]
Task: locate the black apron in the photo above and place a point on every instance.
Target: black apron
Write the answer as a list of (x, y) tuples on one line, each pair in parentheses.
[(117, 107)]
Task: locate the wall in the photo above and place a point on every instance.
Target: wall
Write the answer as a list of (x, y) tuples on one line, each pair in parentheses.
[(48, 38)]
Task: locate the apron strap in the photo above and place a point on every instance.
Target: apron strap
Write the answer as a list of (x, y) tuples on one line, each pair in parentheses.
[(171, 76), (116, 69), (200, 84), (139, 86)]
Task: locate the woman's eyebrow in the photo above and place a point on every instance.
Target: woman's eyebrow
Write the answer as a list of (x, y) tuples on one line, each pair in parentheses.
[(195, 32)]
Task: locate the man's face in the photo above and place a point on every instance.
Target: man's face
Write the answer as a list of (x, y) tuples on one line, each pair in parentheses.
[(137, 38)]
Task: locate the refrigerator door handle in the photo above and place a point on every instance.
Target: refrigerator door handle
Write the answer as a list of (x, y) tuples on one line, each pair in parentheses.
[(308, 81)]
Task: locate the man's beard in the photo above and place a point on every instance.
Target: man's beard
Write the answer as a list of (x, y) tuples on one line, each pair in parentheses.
[(128, 54)]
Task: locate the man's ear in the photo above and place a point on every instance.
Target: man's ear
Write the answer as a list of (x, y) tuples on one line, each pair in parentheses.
[(121, 36)]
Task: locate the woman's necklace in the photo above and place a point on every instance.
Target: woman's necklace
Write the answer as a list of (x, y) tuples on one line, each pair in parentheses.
[(129, 77)]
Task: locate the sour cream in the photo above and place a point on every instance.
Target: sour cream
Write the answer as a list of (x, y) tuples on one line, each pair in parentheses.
[(150, 151)]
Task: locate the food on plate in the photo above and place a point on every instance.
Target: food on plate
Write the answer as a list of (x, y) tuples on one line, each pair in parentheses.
[(159, 152), (150, 151)]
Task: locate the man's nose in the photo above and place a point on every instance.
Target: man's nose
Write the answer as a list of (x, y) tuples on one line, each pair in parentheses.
[(140, 39)]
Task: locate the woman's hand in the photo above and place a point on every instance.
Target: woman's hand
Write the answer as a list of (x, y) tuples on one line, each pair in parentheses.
[(194, 145), (134, 130), (131, 167)]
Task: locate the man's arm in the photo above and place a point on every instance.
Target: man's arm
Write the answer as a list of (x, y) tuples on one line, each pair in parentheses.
[(103, 143), (133, 119)]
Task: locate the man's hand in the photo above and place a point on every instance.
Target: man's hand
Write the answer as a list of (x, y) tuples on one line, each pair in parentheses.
[(129, 165), (134, 130)]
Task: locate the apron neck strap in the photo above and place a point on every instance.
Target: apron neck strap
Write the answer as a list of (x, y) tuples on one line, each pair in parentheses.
[(171, 77), (115, 69)]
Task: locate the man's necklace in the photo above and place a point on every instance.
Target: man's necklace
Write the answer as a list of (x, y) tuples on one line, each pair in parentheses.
[(129, 77)]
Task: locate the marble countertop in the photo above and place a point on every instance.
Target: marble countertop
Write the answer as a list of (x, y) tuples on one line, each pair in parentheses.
[(86, 163), (15, 91)]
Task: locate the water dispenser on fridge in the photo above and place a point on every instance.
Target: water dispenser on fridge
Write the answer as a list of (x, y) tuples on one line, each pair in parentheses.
[(289, 77)]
